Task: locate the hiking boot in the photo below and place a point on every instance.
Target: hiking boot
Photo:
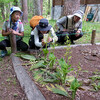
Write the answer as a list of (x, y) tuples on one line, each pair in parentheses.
[(3, 53)]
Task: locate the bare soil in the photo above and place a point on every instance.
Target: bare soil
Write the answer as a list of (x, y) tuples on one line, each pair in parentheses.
[(9, 86), (88, 59)]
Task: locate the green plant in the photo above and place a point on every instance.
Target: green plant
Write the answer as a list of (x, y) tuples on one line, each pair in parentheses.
[(28, 57), (70, 78), (37, 65), (15, 94), (45, 52), (38, 76), (73, 87), (58, 89), (8, 80), (78, 70), (27, 33), (67, 54), (59, 76), (95, 77), (0, 59), (63, 70), (14, 81), (96, 86), (97, 72), (68, 42), (52, 59)]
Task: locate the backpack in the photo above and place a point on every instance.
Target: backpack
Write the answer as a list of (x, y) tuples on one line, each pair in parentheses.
[(35, 21)]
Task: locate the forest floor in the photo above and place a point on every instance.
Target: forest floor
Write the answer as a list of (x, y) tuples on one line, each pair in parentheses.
[(10, 88), (88, 59)]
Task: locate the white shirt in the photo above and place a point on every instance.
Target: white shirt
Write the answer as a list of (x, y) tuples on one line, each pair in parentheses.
[(36, 37)]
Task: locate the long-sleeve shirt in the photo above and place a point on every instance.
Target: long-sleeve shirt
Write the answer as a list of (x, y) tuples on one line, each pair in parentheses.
[(36, 36), (69, 22)]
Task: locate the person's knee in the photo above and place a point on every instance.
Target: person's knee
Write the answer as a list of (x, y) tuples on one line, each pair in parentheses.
[(31, 45), (24, 48), (80, 35), (31, 42), (2, 46)]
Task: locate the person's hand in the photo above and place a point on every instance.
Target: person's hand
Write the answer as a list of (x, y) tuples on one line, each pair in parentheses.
[(77, 33), (64, 30), (50, 39), (43, 43), (14, 32), (9, 30)]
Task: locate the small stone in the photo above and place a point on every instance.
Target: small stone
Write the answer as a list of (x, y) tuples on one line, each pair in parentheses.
[(85, 88), (87, 82), (94, 53)]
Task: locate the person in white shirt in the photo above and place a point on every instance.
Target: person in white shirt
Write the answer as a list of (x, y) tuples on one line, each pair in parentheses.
[(37, 35)]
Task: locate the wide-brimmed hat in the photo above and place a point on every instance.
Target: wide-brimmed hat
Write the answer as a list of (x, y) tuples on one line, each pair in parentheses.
[(79, 14), (43, 25), (14, 8)]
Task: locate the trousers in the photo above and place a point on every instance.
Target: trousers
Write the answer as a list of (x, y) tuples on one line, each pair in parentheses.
[(20, 45), (62, 36)]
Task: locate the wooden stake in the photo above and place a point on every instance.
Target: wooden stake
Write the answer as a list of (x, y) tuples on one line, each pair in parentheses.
[(93, 37), (13, 43)]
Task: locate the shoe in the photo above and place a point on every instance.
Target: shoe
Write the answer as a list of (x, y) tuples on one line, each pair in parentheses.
[(3, 53), (72, 42)]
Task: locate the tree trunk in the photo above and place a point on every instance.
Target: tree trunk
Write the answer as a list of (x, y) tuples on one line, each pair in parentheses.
[(37, 7), (2, 10), (70, 6), (7, 12), (15, 2), (28, 2), (25, 11), (41, 6), (48, 7)]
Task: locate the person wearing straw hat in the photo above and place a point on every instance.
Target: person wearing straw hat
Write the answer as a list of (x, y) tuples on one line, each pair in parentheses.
[(13, 26), (70, 25), (43, 34)]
